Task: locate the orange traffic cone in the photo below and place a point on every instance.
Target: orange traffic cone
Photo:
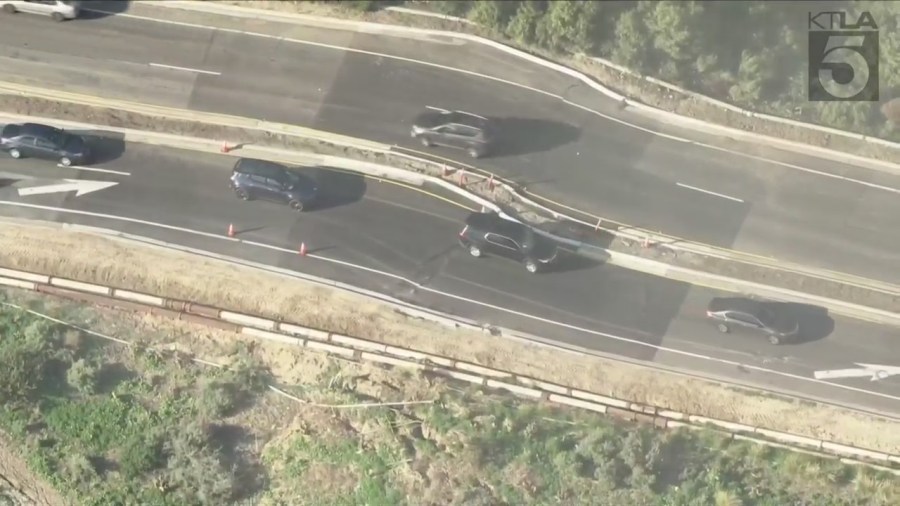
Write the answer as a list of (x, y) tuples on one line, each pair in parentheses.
[(491, 183), (462, 178), (226, 148), (230, 230), (303, 249)]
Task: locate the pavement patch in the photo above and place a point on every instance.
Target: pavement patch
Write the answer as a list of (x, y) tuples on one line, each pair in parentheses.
[(503, 196)]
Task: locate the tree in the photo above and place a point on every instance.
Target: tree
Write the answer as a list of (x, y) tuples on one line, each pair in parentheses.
[(458, 8), (492, 14), (568, 26), (631, 47), (522, 26)]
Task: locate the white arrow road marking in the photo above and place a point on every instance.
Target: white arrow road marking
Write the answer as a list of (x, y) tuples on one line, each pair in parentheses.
[(875, 372), (92, 169), (79, 186)]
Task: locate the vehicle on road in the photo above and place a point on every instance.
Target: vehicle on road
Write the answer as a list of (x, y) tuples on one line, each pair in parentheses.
[(767, 318), (43, 141), (265, 180), (488, 233), (59, 10), (455, 129)]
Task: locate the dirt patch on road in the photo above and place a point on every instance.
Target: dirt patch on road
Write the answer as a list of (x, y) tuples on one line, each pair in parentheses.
[(178, 275)]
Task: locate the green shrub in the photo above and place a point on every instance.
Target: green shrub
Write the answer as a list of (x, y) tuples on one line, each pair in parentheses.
[(458, 8), (82, 375)]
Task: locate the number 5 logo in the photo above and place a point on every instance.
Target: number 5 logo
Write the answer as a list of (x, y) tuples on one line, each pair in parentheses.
[(843, 65), (837, 56)]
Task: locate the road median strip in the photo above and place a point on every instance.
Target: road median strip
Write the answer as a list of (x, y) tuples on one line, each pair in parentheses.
[(846, 295), (357, 348)]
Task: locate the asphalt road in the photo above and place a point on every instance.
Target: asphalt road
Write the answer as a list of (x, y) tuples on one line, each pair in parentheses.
[(408, 233), (560, 151)]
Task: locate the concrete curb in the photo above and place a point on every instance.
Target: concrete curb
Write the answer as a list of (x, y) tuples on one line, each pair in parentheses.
[(355, 348), (620, 230), (659, 114), (623, 260)]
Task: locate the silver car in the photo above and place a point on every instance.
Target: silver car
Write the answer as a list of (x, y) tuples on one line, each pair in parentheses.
[(59, 10)]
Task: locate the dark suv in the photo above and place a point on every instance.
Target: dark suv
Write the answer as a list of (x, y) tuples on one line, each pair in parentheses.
[(43, 141), (261, 179), (455, 129), (491, 234), (767, 318)]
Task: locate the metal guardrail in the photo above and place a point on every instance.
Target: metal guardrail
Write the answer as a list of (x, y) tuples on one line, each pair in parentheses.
[(355, 348)]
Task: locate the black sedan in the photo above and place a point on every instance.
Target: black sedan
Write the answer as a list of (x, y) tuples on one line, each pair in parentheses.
[(43, 141), (736, 313)]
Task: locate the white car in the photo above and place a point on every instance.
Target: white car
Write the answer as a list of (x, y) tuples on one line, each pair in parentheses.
[(59, 10)]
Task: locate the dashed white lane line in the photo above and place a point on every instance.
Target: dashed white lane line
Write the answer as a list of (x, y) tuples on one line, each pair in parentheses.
[(185, 69), (507, 82), (92, 169), (701, 190)]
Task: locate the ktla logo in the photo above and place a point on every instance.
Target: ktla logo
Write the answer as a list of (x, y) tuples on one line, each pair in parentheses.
[(843, 58)]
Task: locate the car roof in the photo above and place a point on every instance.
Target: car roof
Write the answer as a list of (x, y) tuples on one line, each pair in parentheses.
[(492, 222), (38, 129), (744, 305), (468, 119), (437, 117), (258, 167)]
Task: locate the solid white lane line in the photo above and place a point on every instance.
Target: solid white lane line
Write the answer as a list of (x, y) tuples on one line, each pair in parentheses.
[(701, 190), (511, 83), (635, 342), (186, 69), (92, 169)]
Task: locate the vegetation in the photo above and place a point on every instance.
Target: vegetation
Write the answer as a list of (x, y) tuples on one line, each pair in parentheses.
[(115, 425), (751, 54), (112, 426)]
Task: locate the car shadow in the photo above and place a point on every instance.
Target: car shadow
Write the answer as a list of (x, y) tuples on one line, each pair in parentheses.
[(99, 9), (105, 146), (337, 187), (520, 136), (814, 321)]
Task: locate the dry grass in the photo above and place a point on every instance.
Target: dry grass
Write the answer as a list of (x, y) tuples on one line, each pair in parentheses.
[(178, 275)]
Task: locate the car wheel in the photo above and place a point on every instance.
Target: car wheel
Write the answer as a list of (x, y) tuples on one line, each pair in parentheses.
[(531, 266), (15, 153), (65, 161), (722, 328), (9, 9), (474, 153), (475, 251), (774, 339), (425, 141), (58, 17), (242, 194), (296, 205)]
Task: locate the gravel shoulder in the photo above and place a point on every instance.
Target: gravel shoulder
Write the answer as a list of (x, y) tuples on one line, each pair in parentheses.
[(179, 275)]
